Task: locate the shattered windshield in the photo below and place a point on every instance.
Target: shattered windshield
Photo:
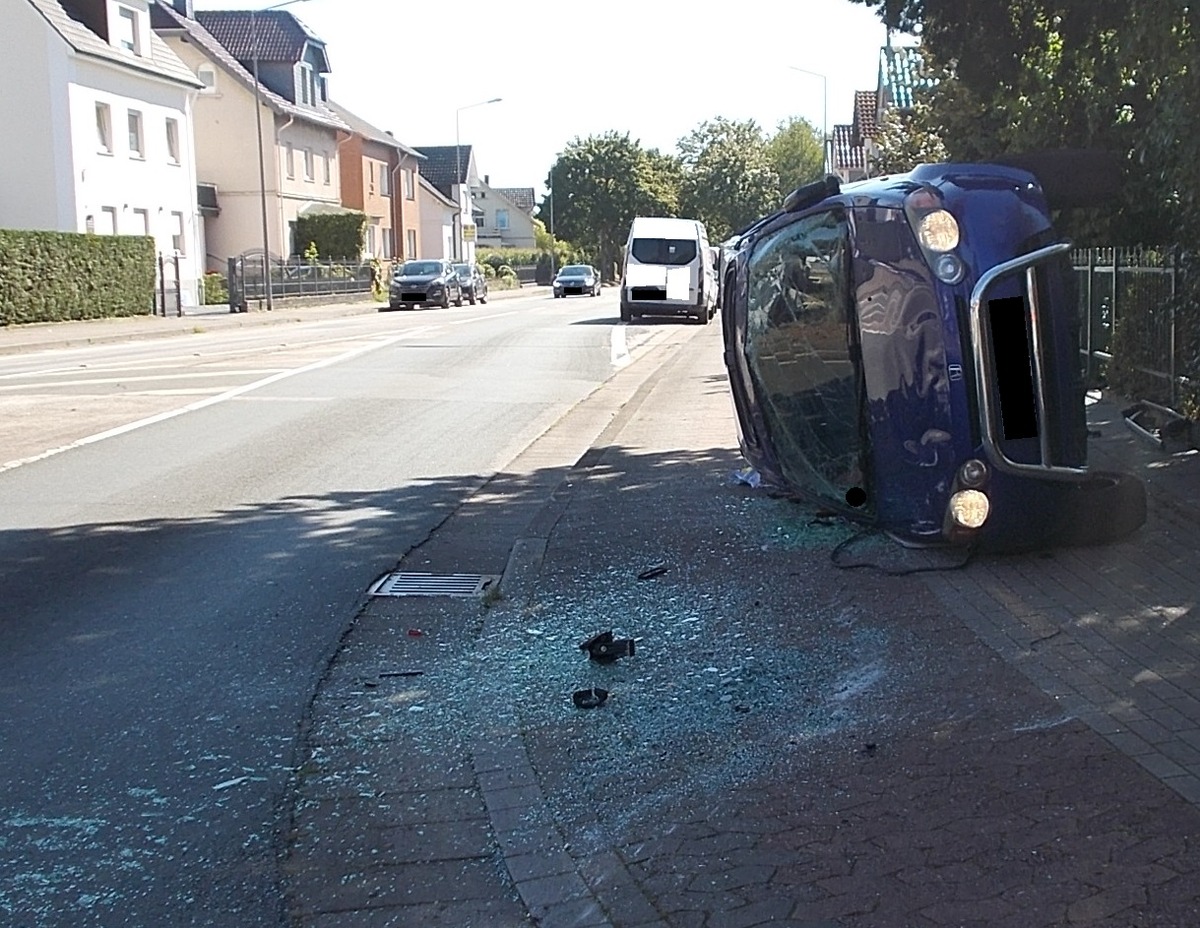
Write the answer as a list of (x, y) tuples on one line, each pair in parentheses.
[(798, 345)]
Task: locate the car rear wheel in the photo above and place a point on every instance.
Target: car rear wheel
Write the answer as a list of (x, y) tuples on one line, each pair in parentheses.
[(459, 301), (445, 304), (471, 298)]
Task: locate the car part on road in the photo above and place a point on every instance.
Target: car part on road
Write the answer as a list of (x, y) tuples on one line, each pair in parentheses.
[(656, 571), (591, 698), (604, 649)]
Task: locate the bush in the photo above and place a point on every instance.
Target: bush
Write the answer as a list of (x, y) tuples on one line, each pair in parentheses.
[(504, 271), (336, 236), (57, 276), (216, 289)]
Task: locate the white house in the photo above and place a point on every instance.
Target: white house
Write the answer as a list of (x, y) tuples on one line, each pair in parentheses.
[(451, 169), (439, 221), (98, 128), (269, 146)]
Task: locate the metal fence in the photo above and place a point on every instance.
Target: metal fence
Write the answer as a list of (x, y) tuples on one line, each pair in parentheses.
[(294, 278), (1132, 310)]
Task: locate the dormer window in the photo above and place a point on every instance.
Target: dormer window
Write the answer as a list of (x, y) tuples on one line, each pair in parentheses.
[(128, 35), (308, 85)]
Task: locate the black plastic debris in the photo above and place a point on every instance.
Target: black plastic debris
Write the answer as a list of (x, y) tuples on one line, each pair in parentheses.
[(605, 649), (590, 698), (401, 673), (656, 571)]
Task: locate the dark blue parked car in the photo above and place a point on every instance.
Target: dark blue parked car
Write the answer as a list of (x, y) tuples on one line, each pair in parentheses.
[(905, 350)]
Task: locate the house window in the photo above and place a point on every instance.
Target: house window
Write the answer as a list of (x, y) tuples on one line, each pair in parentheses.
[(385, 185), (106, 222), (410, 243), (373, 238), (136, 146), (208, 77), (127, 30), (308, 85), (410, 188), (289, 160), (325, 165), (502, 219), (141, 222), (323, 84), (177, 241), (371, 172), (387, 243), (308, 165), (173, 141), (104, 128)]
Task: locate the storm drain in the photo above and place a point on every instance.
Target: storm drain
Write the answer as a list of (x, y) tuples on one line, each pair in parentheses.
[(420, 584)]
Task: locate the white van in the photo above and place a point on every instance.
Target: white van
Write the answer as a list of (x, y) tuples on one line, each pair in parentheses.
[(668, 271)]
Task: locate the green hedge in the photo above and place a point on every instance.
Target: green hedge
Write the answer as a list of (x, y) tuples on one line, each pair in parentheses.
[(336, 235), (58, 276)]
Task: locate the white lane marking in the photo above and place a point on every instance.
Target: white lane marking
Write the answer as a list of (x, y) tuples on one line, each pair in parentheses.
[(197, 375), (210, 401), (619, 353), (511, 312)]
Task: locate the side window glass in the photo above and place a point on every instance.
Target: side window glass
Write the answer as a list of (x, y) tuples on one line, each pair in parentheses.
[(801, 348)]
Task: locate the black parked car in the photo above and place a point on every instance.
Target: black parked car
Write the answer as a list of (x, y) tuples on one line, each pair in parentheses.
[(577, 278), (424, 283), (474, 284)]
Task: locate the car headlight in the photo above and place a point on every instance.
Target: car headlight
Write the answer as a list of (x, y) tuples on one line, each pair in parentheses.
[(969, 508), (938, 231)]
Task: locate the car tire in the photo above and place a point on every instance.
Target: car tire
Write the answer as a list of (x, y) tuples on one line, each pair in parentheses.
[(626, 313), (445, 304), (483, 299), (1106, 507), (459, 301)]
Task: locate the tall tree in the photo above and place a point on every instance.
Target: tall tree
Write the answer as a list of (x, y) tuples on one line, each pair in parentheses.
[(599, 184), (795, 154), (728, 177), (1033, 74)]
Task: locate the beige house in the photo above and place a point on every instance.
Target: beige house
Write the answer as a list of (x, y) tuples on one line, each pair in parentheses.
[(503, 215), (439, 221), (377, 180), (301, 135)]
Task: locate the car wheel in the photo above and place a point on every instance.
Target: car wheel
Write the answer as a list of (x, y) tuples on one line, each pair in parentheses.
[(445, 299), (626, 313), (471, 298), (459, 301), (1107, 507), (483, 299)]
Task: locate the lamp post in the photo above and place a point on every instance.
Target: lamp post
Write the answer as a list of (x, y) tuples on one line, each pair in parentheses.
[(825, 159), (458, 238), (553, 250), (262, 164)]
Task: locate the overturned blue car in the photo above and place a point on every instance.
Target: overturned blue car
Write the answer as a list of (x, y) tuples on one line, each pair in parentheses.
[(904, 350)]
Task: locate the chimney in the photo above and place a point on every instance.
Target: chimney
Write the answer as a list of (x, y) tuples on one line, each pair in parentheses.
[(184, 8)]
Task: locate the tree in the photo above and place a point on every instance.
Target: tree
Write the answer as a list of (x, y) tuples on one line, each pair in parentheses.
[(796, 154), (905, 139), (728, 177), (599, 184), (1035, 74)]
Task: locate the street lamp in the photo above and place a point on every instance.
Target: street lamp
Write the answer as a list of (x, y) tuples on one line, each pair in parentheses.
[(262, 165), (458, 238), (553, 250), (824, 114)]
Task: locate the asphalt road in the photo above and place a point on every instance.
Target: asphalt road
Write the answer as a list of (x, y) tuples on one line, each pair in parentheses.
[(185, 535)]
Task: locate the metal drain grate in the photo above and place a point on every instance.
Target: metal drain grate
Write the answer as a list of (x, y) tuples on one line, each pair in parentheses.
[(419, 584)]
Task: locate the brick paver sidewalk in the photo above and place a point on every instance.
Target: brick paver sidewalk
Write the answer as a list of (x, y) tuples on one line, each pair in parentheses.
[(791, 744)]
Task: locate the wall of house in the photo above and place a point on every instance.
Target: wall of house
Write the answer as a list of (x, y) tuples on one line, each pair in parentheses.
[(164, 190), (406, 211), (520, 231), (227, 156), (436, 239), (36, 186), (378, 207), (300, 192)]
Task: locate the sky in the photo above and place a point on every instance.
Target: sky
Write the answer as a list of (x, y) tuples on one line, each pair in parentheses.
[(653, 68)]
